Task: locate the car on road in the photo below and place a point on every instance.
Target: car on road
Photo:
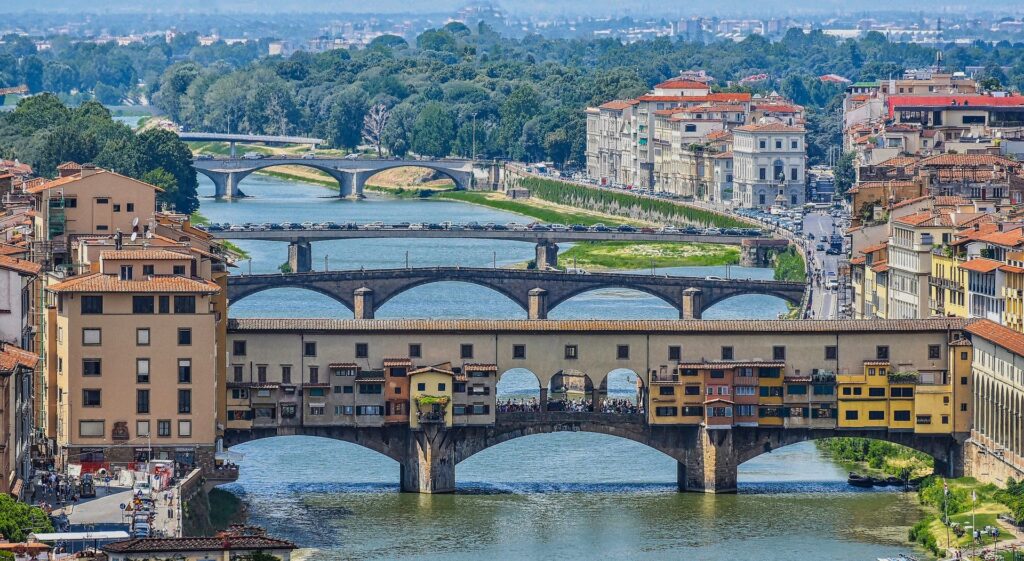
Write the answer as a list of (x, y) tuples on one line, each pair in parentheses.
[(214, 227), (579, 228), (668, 229), (600, 228), (516, 227), (540, 228), (307, 225), (204, 157), (820, 247), (236, 228), (626, 228), (275, 226), (499, 228), (252, 156), (559, 228), (401, 226), (353, 156), (309, 156), (833, 251), (713, 278)]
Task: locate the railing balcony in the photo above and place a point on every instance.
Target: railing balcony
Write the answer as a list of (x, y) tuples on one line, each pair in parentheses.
[(431, 417)]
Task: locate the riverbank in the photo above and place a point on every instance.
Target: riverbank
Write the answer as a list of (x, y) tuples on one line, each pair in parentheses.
[(628, 255), (969, 505)]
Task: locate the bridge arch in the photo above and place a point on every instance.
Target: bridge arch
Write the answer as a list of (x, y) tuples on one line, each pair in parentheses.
[(462, 180), (244, 292), (622, 384), (382, 298), (722, 296), (382, 440), (518, 383), (566, 296)]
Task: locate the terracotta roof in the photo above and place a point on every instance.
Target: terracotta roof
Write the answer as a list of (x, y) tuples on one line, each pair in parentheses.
[(876, 362), (950, 200), (980, 265), (727, 364), (1008, 238), (680, 84), (916, 219), (241, 325), (12, 357), (1011, 269), (880, 266), (342, 365), (770, 127), (716, 135), (397, 362), (7, 249), (145, 255), (20, 265), (957, 160), (426, 369), (779, 108), (874, 248), (99, 282), (616, 105), (995, 333), (907, 202), (478, 367), (212, 543), (858, 260), (69, 166), (898, 161), (62, 181)]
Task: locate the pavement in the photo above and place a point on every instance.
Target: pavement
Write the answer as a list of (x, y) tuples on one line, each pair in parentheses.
[(824, 303), (106, 509)]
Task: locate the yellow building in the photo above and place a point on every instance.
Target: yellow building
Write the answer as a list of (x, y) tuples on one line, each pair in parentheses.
[(430, 393), (947, 284), (1013, 291), (863, 401), (769, 401)]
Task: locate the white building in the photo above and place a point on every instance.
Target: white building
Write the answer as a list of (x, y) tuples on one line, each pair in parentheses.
[(768, 162)]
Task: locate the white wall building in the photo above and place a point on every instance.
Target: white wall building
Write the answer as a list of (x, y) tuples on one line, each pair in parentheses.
[(769, 161)]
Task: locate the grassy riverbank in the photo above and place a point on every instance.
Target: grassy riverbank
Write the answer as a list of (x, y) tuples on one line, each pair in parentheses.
[(964, 513), (877, 457), (628, 255), (533, 209), (789, 266)]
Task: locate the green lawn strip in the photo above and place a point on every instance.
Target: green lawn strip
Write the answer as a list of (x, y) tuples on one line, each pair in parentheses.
[(634, 255), (541, 214)]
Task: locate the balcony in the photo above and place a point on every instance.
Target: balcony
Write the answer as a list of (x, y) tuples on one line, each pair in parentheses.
[(904, 377), (946, 284), (431, 417)]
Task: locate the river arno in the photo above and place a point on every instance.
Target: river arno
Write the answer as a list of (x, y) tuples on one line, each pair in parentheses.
[(563, 496)]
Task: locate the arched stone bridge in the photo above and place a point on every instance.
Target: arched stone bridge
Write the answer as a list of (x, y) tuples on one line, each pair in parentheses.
[(707, 460), (351, 174), (364, 291)]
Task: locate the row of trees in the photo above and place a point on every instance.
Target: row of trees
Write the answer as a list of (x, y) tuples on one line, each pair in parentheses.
[(44, 132)]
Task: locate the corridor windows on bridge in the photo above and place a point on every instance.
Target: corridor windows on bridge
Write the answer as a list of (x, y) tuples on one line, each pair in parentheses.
[(831, 352), (143, 305), (876, 392), (519, 352), (882, 352), (92, 367), (362, 350), (717, 373), (675, 352), (92, 336), (665, 411), (237, 373), (309, 348), (184, 336), (142, 371), (691, 389), (238, 348), (934, 352), (91, 397), (415, 350), (901, 415), (572, 352), (622, 352), (142, 337), (727, 353), (778, 353), (465, 351)]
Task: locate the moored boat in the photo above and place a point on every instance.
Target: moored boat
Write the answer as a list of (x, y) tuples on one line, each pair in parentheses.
[(858, 480)]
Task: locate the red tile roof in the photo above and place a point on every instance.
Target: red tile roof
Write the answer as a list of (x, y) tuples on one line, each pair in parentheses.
[(617, 105), (995, 333), (981, 265), (145, 255), (212, 543), (681, 84), (99, 282), (12, 357), (770, 127), (20, 265)]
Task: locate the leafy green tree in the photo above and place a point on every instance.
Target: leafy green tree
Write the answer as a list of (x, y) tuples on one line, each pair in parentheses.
[(845, 175), (520, 106), (397, 134), (165, 151), (18, 519), (433, 131), (388, 41), (345, 113), (436, 40)]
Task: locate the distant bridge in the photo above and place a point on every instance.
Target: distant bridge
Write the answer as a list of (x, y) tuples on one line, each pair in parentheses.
[(535, 291), (351, 174)]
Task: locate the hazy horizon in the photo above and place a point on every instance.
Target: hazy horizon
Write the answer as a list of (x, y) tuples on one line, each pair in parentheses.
[(597, 8)]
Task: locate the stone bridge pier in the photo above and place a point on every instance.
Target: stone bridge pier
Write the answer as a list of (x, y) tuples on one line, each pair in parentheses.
[(225, 183), (300, 256)]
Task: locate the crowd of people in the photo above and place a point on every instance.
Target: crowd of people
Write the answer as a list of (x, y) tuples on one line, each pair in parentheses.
[(519, 406), (532, 405), (51, 490), (621, 407)]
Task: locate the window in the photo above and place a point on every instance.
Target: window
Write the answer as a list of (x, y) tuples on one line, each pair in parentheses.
[(882, 352), (778, 353), (91, 398), (831, 352), (309, 348), (286, 374), (178, 270), (314, 374), (91, 367), (441, 387), (963, 355), (184, 428), (762, 143), (963, 380), (796, 389), (130, 207), (762, 173), (770, 391), (963, 406), (184, 336), (288, 410), (901, 415), (261, 373), (824, 389), (666, 390), (717, 374), (691, 390), (127, 272), (238, 372), (901, 392), (92, 304), (142, 305), (876, 392), (945, 419), (238, 348), (519, 351), (924, 419), (934, 351), (239, 393), (572, 352), (876, 415), (346, 389), (746, 390), (142, 337), (164, 303), (142, 401), (665, 411), (91, 336), (794, 144), (422, 387), (142, 370), (163, 428), (184, 401), (466, 350), (369, 388), (141, 428), (415, 350), (184, 304), (362, 350), (847, 391), (622, 352), (727, 353), (675, 352), (185, 371), (102, 201), (91, 429), (793, 174), (852, 415), (148, 270)]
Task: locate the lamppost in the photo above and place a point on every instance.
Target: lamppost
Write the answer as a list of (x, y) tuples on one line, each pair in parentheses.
[(474, 137)]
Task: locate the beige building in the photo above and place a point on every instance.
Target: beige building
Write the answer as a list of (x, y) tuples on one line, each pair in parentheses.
[(133, 360), (769, 160)]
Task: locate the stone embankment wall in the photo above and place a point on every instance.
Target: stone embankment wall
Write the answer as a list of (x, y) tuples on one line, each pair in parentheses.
[(988, 464)]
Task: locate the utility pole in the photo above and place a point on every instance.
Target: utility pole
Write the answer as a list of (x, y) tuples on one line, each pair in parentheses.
[(474, 137)]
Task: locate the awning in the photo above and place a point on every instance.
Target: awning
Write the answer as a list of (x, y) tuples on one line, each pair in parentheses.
[(17, 488), (79, 536)]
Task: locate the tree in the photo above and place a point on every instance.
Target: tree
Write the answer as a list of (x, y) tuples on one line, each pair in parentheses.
[(344, 123), (18, 519), (844, 174), (388, 42), (556, 144), (433, 131), (397, 134), (374, 123), (520, 106), (165, 151), (436, 40)]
